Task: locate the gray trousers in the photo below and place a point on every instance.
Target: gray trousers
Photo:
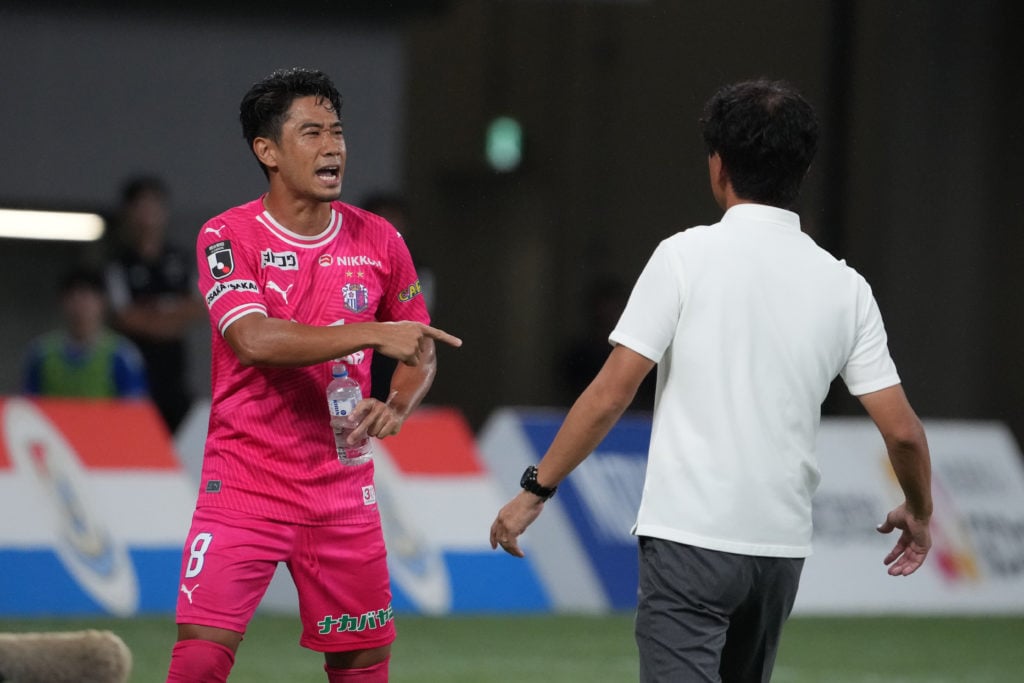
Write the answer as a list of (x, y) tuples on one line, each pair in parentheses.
[(707, 616)]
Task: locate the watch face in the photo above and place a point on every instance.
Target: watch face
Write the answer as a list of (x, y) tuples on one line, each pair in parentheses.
[(525, 479)]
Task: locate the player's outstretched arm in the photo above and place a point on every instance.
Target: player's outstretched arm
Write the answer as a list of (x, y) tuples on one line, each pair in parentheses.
[(908, 452), (262, 341), (589, 420)]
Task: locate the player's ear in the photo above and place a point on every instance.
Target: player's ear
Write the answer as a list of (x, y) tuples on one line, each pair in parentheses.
[(265, 151), (718, 172)]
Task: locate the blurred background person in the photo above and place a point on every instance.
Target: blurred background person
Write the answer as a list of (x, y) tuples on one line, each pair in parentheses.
[(395, 209), (153, 295), (583, 357), (84, 358)]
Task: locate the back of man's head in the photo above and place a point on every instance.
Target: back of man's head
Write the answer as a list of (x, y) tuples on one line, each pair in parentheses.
[(766, 135)]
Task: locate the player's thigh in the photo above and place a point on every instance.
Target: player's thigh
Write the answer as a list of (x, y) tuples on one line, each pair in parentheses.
[(341, 576), (685, 598), (227, 564)]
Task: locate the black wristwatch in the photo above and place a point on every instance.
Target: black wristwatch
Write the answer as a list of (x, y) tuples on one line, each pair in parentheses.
[(529, 483)]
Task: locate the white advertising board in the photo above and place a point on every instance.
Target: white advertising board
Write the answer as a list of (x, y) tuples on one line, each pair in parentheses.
[(976, 565)]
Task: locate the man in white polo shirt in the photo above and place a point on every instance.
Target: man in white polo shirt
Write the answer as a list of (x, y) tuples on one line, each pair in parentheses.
[(748, 321)]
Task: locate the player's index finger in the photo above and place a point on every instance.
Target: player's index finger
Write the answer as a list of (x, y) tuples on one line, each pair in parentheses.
[(441, 335)]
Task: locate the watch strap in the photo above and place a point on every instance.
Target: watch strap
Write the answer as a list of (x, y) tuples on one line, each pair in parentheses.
[(529, 483)]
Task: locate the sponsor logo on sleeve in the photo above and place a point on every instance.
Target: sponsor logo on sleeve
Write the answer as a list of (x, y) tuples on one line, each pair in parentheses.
[(410, 292), (283, 260), (222, 288), (220, 259)]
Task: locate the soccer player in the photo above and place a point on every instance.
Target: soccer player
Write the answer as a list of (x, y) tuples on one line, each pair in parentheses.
[(294, 280), (748, 322)]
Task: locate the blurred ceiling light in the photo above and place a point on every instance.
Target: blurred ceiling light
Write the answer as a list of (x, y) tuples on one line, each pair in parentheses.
[(51, 225)]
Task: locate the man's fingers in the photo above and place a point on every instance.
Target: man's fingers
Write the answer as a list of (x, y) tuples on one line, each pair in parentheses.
[(907, 564), (500, 535), (511, 547), (442, 336), (894, 553)]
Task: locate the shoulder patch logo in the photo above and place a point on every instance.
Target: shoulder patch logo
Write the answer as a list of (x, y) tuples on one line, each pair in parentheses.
[(410, 292), (222, 288), (355, 296), (220, 259)]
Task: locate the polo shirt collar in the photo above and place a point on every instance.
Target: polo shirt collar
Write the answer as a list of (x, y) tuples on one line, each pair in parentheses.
[(762, 213)]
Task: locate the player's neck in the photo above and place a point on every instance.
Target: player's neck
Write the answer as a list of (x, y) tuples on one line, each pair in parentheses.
[(301, 215)]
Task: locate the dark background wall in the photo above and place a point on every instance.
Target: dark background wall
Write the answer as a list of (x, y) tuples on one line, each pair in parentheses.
[(917, 183)]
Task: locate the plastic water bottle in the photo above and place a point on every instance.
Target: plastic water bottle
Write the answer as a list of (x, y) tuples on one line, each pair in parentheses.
[(343, 395)]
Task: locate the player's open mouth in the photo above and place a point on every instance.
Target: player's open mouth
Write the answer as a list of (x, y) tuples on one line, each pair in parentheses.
[(329, 174)]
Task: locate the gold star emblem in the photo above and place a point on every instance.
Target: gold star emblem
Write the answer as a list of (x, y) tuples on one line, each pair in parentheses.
[(348, 273), (360, 273)]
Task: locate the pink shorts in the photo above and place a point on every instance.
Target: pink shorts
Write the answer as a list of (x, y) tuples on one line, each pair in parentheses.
[(340, 573)]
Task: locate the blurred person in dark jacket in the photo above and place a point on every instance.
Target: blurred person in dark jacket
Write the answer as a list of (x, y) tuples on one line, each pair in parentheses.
[(153, 295)]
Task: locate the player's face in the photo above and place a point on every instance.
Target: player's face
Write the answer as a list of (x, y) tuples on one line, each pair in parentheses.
[(311, 152)]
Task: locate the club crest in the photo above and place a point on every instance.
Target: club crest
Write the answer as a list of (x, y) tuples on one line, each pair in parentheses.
[(355, 296)]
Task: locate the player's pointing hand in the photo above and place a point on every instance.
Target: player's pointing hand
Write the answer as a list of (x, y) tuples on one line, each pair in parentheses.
[(403, 340)]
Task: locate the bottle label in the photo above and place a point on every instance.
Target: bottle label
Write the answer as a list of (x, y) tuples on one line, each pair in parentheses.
[(341, 408)]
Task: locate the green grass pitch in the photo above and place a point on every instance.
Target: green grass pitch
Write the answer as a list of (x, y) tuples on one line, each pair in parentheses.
[(569, 649)]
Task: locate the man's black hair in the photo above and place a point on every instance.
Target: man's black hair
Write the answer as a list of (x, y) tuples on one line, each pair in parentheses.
[(766, 135), (264, 107), (133, 188)]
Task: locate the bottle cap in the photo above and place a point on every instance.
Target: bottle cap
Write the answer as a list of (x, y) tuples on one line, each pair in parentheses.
[(339, 370)]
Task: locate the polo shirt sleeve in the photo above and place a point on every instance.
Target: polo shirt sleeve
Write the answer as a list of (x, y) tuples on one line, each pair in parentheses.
[(649, 321), (869, 367)]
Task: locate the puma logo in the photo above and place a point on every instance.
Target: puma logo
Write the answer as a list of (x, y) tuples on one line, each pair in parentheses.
[(215, 231), (188, 593), (283, 292)]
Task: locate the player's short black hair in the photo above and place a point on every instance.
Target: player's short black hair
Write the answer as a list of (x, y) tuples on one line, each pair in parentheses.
[(264, 106), (766, 135)]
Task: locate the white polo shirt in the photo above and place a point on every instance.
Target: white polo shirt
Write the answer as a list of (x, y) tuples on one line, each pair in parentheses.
[(749, 322)]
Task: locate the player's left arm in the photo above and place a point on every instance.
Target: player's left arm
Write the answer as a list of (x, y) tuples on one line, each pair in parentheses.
[(409, 385), (589, 420)]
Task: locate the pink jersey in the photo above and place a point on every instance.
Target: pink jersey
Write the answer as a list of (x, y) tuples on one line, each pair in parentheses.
[(270, 450)]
